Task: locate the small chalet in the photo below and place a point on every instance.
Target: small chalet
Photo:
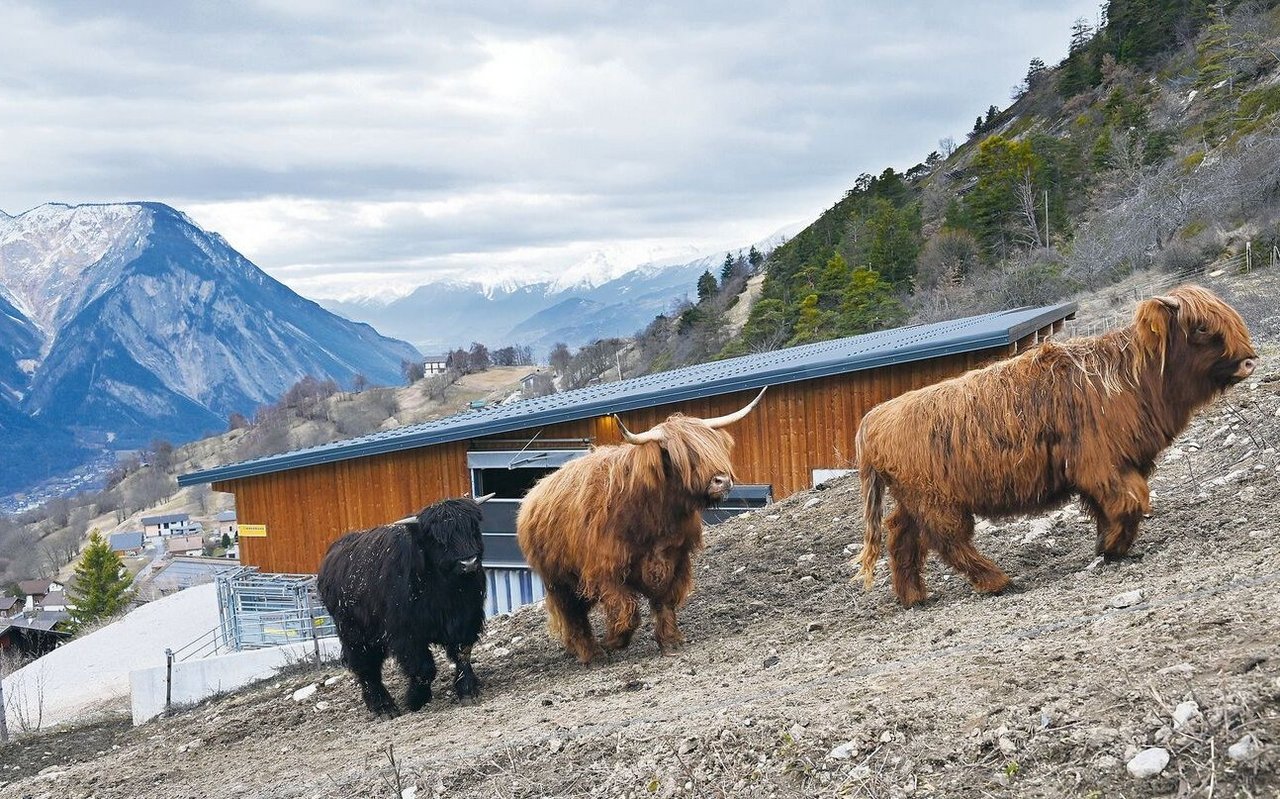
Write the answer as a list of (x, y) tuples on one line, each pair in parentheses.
[(225, 524), (435, 365), (9, 606), (30, 637), (39, 589), (163, 525), (183, 544), (54, 602), (127, 543)]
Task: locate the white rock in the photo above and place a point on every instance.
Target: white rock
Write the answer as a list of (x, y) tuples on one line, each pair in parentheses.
[(843, 752), (1244, 750), (501, 651), (305, 693), (1007, 746), (805, 558), (1184, 713), (1148, 762), (1128, 599), (812, 501), (322, 706), (333, 680), (796, 732), (555, 745), (409, 793)]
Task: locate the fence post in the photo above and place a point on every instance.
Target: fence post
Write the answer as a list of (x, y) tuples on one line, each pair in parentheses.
[(168, 681), (1248, 256), (4, 725), (311, 623)]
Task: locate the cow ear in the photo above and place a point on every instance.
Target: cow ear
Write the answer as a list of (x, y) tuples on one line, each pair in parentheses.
[(1151, 324)]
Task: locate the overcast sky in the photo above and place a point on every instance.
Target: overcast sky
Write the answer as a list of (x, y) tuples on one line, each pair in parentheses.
[(359, 147)]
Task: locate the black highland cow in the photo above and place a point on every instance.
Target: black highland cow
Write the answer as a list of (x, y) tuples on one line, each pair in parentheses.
[(400, 587)]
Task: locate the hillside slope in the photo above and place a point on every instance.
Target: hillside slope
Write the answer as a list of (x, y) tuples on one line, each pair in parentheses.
[(795, 682)]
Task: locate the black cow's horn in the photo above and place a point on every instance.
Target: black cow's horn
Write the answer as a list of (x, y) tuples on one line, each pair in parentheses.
[(1169, 302)]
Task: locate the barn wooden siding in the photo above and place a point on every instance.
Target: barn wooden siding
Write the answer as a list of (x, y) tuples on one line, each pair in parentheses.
[(798, 427)]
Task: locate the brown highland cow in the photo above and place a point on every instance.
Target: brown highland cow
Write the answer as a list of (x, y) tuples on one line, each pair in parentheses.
[(623, 522), (1087, 416)]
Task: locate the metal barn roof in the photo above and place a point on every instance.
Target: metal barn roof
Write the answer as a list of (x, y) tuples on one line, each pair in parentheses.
[(806, 362)]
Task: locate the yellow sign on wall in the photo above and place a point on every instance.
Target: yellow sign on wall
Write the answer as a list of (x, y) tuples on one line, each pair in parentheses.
[(253, 531)]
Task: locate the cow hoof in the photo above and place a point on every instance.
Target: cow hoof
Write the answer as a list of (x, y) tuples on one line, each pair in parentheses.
[(386, 712), (1120, 557)]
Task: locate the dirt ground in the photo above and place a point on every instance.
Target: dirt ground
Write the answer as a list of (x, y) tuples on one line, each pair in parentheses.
[(796, 682)]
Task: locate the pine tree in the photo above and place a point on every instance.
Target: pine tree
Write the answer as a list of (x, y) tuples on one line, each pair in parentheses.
[(727, 270), (707, 284), (754, 258), (812, 323), (99, 591), (831, 285), (868, 304)]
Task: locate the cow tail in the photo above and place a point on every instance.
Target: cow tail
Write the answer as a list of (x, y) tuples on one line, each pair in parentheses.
[(873, 515), (873, 486)]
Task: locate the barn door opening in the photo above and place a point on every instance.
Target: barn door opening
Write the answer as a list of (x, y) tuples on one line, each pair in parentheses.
[(509, 475)]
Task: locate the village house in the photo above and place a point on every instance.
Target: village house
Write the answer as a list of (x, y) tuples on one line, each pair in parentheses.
[(163, 525), (39, 589), (127, 543), (9, 606), (225, 524), (435, 364), (184, 544)]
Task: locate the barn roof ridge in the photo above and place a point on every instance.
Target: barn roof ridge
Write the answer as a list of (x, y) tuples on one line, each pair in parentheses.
[(804, 362)]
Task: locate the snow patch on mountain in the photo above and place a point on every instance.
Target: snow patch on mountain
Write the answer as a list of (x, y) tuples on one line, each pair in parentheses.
[(48, 255)]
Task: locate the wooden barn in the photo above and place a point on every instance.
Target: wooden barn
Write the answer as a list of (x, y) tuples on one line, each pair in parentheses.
[(291, 506)]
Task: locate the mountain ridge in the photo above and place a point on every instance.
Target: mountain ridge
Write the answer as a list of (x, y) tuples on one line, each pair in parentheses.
[(148, 326)]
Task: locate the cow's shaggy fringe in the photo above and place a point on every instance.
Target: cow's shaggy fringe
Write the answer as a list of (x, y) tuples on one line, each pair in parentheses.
[(397, 589), (623, 520), (1087, 416)]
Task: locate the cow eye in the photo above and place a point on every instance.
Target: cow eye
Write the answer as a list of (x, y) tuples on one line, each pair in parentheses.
[(1203, 330)]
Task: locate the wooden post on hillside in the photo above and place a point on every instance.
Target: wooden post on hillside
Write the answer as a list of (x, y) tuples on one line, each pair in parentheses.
[(168, 682), (4, 725)]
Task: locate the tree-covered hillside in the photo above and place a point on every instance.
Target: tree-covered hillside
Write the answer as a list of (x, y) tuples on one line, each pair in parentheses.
[(1154, 144)]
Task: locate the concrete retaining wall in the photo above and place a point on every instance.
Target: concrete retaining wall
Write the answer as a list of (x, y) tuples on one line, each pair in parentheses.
[(195, 680)]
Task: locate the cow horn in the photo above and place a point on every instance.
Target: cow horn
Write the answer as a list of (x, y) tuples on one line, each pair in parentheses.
[(725, 421), (486, 498), (656, 434), (1169, 302)]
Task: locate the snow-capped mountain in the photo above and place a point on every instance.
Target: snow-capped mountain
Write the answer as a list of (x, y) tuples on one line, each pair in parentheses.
[(596, 298), (128, 322)]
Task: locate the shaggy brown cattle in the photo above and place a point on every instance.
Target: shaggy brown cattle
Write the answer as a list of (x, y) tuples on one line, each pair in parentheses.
[(622, 522), (1087, 417)]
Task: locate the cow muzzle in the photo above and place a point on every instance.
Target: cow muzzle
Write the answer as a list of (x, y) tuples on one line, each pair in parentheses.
[(469, 566), (720, 487), (1245, 369)]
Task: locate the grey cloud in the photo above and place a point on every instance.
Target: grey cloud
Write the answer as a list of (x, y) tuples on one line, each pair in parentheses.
[(659, 121)]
